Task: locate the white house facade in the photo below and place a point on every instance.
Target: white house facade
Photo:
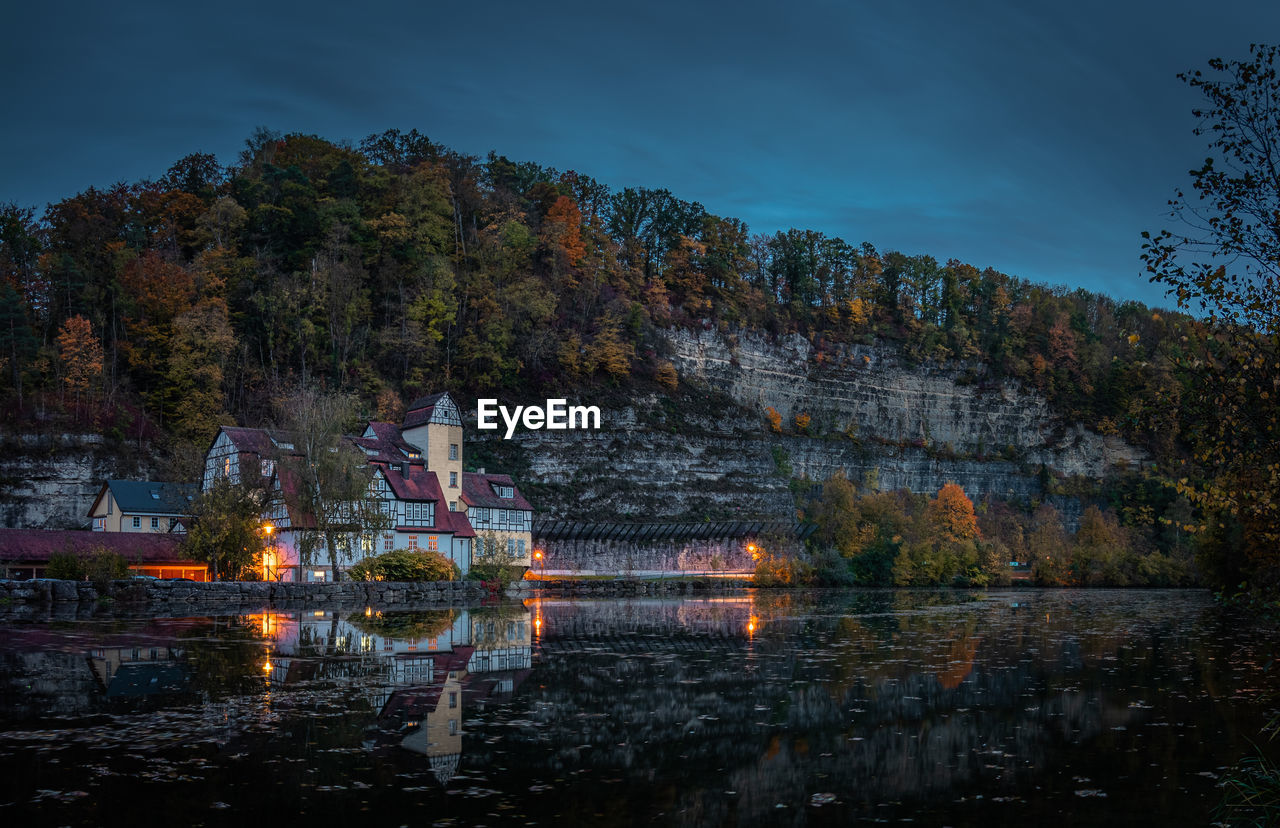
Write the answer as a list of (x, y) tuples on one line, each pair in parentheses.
[(426, 500)]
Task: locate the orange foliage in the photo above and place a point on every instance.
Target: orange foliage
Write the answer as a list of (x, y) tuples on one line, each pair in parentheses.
[(774, 418), (951, 513), (563, 225), (81, 353), (802, 422)]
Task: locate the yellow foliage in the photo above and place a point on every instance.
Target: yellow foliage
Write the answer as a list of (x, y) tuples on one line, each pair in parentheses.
[(667, 376), (802, 422)]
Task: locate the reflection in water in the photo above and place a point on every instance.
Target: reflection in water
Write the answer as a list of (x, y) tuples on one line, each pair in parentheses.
[(768, 708)]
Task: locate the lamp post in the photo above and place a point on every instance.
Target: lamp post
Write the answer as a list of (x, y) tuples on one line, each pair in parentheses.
[(537, 556), (269, 561)]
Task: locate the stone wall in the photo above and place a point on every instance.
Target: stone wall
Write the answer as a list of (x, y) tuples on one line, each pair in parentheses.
[(623, 557), (203, 594)]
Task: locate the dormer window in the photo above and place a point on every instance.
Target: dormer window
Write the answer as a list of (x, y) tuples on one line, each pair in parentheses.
[(504, 491), (155, 494)]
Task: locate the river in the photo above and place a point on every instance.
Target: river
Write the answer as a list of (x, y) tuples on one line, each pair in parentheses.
[(1020, 707)]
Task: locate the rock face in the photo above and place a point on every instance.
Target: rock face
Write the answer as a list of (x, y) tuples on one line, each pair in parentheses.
[(707, 453), (710, 454), (50, 483)]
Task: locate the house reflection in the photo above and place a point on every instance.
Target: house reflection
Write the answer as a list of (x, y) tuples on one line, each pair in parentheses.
[(136, 670), (418, 669)]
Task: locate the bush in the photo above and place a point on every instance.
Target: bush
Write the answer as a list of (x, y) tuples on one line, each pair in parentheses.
[(65, 566), (104, 566), (404, 565)]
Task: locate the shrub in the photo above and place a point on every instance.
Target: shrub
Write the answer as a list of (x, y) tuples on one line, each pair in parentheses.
[(104, 566), (65, 566), (404, 565)]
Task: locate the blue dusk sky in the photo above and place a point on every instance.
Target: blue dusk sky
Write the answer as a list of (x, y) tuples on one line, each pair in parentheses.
[(1036, 138)]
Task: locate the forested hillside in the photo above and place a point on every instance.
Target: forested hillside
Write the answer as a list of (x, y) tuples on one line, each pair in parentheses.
[(153, 311)]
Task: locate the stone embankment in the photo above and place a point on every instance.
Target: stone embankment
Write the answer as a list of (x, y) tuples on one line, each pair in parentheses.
[(370, 593), (203, 596)]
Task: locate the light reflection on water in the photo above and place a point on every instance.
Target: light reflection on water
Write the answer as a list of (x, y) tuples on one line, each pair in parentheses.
[(765, 708)]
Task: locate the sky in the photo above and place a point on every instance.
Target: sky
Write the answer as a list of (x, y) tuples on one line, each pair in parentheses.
[(1037, 138)]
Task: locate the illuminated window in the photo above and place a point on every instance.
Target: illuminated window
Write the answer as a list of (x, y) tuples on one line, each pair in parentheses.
[(413, 541), (433, 543)]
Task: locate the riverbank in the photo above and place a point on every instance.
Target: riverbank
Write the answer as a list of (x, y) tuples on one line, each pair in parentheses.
[(381, 594)]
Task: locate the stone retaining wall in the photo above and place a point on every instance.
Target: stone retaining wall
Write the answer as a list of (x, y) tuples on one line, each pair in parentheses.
[(380, 593), (220, 594)]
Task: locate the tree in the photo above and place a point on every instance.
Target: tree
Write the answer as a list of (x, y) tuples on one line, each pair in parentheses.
[(81, 353), (951, 514), (326, 480), (226, 528), (1223, 260)]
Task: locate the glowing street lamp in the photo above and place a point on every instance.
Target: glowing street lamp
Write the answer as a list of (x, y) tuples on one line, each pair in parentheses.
[(537, 556)]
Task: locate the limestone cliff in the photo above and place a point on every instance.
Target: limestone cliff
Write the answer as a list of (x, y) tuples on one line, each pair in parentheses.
[(710, 453)]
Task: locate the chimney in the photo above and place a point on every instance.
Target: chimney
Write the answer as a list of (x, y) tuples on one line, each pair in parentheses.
[(404, 469), (480, 470)]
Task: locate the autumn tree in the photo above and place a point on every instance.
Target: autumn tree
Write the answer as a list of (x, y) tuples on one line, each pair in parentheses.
[(951, 514), (81, 353), (325, 479), (226, 528), (1223, 261)]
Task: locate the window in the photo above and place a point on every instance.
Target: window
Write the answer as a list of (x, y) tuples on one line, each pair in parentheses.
[(388, 542), (268, 466), (420, 514), (453, 505), (453, 480), (137, 523), (504, 491), (520, 548), (433, 543), (453, 699), (511, 546), (413, 541), (99, 524), (453, 451), (155, 523), (453, 727)]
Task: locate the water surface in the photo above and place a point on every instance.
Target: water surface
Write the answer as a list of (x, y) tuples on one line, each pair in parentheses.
[(1005, 708)]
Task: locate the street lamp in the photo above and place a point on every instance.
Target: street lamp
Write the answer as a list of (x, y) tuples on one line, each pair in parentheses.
[(537, 556)]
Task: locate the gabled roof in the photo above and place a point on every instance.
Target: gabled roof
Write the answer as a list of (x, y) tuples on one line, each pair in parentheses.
[(423, 410), (477, 490), (260, 441), (136, 547), (148, 497)]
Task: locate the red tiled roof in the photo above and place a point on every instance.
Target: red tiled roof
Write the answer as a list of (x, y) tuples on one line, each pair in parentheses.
[(22, 545), (419, 485), (389, 435), (477, 490)]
